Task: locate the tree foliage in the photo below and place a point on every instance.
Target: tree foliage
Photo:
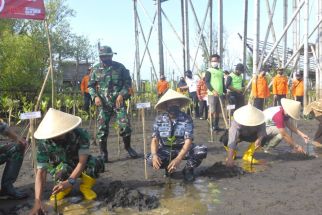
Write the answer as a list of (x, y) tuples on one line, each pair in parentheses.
[(24, 50)]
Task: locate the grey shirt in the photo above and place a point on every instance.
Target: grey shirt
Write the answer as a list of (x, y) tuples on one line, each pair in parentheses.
[(238, 133)]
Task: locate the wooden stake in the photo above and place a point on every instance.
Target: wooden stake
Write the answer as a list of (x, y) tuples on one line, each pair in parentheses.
[(144, 143), (223, 112)]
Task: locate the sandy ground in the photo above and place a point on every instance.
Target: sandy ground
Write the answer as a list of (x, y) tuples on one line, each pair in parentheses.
[(286, 184)]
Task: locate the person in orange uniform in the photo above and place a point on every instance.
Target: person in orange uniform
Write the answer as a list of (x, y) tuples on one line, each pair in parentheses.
[(297, 88), (202, 95), (260, 90), (84, 90), (280, 87), (162, 86)]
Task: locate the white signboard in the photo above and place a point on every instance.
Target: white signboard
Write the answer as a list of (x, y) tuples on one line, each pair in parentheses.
[(230, 107), (30, 115), (143, 105)]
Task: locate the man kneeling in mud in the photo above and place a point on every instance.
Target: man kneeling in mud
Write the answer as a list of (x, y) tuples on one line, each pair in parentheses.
[(172, 137), (248, 125), (277, 120), (63, 151), (316, 109)]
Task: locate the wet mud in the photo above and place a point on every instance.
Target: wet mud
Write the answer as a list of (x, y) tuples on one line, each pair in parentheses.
[(218, 170), (118, 195)]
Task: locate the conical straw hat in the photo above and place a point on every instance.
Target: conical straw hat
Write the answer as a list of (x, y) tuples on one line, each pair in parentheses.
[(249, 116), (171, 95), (315, 106), (291, 107), (56, 123)]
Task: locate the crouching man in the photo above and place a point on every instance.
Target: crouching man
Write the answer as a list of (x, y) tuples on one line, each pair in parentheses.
[(172, 137), (63, 151), (12, 155), (248, 125), (277, 120)]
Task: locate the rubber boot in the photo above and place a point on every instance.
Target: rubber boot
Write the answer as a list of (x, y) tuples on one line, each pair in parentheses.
[(235, 152), (61, 194), (86, 187), (128, 148), (9, 176), (249, 154), (104, 153), (216, 124), (188, 174)]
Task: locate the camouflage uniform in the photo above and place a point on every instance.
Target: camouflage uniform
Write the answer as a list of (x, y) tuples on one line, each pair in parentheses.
[(171, 136), (12, 151), (11, 154), (62, 157), (108, 82)]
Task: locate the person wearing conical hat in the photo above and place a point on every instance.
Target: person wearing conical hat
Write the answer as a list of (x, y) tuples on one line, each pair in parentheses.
[(12, 155), (277, 119), (316, 109), (172, 137), (63, 151), (248, 125)]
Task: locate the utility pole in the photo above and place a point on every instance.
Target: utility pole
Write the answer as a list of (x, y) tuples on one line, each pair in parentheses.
[(183, 36), (160, 37), (319, 76), (186, 10), (306, 54), (137, 53), (210, 27), (256, 36), (285, 37), (220, 29), (245, 34)]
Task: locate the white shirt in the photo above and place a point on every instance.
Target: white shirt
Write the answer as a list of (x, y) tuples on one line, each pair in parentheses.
[(192, 84)]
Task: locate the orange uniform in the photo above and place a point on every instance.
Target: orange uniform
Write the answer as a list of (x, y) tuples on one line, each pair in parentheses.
[(162, 86), (280, 86), (260, 87), (84, 84), (297, 88)]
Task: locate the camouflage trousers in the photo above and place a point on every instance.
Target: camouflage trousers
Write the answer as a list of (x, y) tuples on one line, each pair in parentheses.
[(194, 157), (11, 151), (94, 166), (104, 118)]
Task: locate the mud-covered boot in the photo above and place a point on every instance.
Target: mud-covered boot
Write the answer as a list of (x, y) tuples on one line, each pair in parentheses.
[(86, 187), (9, 176), (128, 148), (188, 174), (249, 154), (104, 153), (60, 195)]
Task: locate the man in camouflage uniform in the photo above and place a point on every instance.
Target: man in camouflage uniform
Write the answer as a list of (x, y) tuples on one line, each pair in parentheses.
[(63, 151), (109, 87), (172, 137), (12, 155)]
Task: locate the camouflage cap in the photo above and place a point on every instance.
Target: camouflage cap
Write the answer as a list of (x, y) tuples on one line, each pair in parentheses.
[(106, 50)]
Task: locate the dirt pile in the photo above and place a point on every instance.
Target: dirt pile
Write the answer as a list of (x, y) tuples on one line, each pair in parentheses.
[(117, 195), (219, 170)]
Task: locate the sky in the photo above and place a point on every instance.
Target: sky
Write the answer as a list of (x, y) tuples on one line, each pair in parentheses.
[(112, 23)]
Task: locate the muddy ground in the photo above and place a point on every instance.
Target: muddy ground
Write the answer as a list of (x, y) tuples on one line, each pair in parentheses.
[(285, 184)]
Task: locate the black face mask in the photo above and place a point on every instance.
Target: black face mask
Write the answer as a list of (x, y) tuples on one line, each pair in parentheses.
[(173, 109), (107, 61)]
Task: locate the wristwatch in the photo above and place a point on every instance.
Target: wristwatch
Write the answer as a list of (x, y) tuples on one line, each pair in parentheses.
[(72, 181)]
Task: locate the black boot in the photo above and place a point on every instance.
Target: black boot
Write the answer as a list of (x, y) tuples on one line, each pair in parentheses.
[(9, 176), (104, 153), (188, 174), (128, 148), (216, 125)]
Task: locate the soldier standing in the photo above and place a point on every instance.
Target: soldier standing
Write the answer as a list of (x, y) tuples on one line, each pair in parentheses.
[(109, 87)]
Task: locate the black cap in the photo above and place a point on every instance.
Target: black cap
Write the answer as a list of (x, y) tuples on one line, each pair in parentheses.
[(240, 67)]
